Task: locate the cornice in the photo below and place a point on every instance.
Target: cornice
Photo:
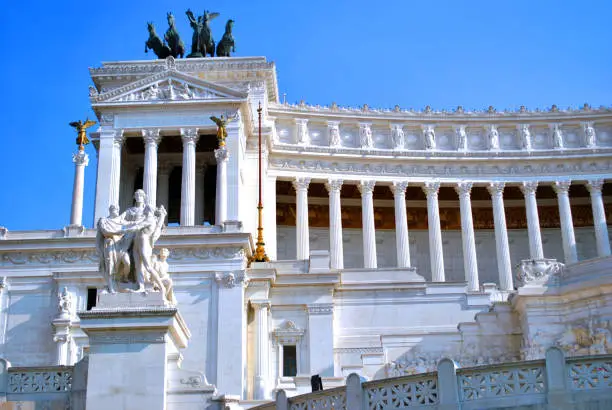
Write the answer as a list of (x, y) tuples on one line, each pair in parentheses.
[(458, 116)]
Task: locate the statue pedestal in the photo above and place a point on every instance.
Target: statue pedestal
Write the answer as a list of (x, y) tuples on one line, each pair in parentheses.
[(132, 336)]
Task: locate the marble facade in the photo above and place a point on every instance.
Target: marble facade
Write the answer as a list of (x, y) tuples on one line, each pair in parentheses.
[(396, 237)]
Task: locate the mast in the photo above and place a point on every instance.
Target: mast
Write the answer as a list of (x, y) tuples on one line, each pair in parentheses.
[(260, 250)]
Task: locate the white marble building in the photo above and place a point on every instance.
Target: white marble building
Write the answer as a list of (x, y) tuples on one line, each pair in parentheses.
[(396, 236)]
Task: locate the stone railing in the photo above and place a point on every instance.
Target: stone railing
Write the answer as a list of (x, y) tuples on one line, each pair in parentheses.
[(49, 384), (554, 383)]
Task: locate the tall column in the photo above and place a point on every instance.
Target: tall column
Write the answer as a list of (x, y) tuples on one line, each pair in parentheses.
[(567, 223), (190, 137), (533, 220), (504, 268), (222, 156), (163, 183), (401, 224), (470, 263), (599, 217), (367, 220), (301, 224), (81, 160), (151, 139), (115, 179), (436, 255), (262, 348), (199, 192), (336, 247)]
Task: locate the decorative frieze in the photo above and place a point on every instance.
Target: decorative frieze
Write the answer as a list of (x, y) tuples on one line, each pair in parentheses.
[(320, 309), (150, 336)]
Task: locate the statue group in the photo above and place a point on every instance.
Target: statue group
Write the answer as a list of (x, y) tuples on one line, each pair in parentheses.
[(202, 41), (125, 245)]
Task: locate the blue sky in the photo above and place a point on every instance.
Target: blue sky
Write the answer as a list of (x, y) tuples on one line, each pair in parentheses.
[(437, 53)]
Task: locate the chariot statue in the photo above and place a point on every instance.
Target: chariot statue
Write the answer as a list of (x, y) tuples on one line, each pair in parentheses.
[(202, 42), (227, 41), (172, 38), (125, 245), (156, 44)]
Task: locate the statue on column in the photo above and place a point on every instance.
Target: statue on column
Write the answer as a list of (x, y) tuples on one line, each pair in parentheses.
[(125, 245), (81, 128), (222, 128)]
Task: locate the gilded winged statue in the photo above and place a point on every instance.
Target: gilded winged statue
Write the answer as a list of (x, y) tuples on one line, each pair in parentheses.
[(221, 127), (81, 128)]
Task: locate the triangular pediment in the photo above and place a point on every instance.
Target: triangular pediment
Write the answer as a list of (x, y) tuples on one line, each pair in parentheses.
[(168, 86)]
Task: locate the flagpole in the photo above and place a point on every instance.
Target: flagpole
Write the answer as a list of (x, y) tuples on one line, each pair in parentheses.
[(260, 250)]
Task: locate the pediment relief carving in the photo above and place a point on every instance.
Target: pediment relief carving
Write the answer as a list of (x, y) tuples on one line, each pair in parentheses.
[(167, 86)]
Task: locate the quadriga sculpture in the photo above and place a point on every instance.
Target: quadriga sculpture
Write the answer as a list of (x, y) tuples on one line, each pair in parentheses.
[(125, 245), (227, 41), (155, 43)]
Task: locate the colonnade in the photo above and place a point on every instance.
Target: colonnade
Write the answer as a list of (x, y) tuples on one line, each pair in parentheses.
[(463, 189), (192, 175)]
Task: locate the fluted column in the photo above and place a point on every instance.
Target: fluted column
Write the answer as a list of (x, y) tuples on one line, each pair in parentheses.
[(261, 308), (81, 160), (533, 220), (567, 223), (199, 192), (436, 255), (367, 219), (401, 223), (151, 139), (115, 179), (190, 137), (470, 262), (301, 223), (222, 156), (502, 246), (163, 181), (599, 217), (335, 224)]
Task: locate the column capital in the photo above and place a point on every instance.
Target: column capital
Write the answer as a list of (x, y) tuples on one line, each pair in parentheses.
[(366, 187), (151, 136), (221, 154), (80, 158), (333, 185), (562, 187), (399, 187), (301, 183), (431, 187), (595, 185), (118, 138), (529, 187), (259, 304), (464, 188), (496, 188), (189, 135)]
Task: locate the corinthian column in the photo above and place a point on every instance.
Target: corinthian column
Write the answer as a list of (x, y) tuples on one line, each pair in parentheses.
[(190, 137), (262, 348), (470, 264), (567, 224), (81, 160), (533, 220), (401, 223), (301, 223), (436, 255), (115, 179), (599, 217), (335, 224), (151, 141), (367, 219), (222, 156), (504, 268)]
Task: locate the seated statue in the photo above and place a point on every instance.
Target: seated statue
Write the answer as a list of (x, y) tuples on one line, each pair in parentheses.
[(125, 243), (160, 266)]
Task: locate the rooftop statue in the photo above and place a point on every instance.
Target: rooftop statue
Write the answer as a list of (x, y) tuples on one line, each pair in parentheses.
[(177, 48), (125, 244), (81, 128), (202, 42), (155, 43), (227, 41)]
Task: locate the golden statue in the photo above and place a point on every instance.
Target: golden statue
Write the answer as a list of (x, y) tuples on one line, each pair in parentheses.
[(221, 127), (80, 127)]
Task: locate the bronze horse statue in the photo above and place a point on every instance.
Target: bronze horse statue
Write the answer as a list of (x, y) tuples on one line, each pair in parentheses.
[(202, 41), (177, 48), (227, 41), (155, 43)]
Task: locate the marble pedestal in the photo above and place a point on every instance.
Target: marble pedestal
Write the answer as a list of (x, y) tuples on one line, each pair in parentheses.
[(132, 336)]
